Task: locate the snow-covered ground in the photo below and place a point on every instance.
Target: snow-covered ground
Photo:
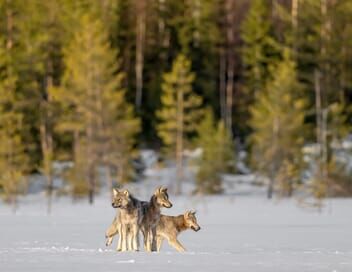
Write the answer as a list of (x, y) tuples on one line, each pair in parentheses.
[(239, 233)]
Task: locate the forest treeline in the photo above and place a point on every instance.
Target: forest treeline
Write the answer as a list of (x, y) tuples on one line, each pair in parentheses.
[(93, 82)]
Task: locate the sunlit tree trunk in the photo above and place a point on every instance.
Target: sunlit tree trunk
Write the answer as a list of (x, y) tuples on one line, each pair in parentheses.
[(222, 84), (9, 25), (46, 137), (179, 142), (294, 22), (140, 44), (230, 69)]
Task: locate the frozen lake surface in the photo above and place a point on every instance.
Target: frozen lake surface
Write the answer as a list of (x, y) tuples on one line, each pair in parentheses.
[(241, 233)]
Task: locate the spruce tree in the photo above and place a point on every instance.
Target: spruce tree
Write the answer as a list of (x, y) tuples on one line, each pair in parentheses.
[(258, 45), (277, 120), (180, 111), (92, 101), (13, 159), (258, 51), (218, 154)]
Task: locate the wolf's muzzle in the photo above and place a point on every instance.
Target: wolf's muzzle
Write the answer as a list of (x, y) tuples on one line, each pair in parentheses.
[(168, 205), (196, 228), (115, 205)]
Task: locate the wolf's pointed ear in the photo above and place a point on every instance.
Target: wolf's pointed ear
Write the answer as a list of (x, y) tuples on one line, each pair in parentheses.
[(115, 192), (126, 192), (162, 189), (193, 212), (187, 213), (158, 190)]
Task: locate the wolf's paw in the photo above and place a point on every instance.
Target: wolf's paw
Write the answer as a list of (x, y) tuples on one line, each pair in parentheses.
[(108, 241)]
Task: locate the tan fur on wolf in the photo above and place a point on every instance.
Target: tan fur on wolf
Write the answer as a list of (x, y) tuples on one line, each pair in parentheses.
[(169, 228), (150, 219), (126, 222)]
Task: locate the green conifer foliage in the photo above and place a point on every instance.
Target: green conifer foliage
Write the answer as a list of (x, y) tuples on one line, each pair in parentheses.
[(180, 111), (258, 51), (13, 159), (278, 128), (218, 155), (93, 107)]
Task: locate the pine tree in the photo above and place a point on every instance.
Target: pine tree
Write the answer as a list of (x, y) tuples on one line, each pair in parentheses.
[(119, 134), (92, 101), (278, 128), (218, 154), (13, 159), (180, 111), (259, 50), (258, 45)]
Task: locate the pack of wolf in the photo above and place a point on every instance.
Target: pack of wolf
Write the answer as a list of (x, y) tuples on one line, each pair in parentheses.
[(134, 216)]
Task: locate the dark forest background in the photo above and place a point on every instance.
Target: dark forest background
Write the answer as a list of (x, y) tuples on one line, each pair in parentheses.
[(92, 82)]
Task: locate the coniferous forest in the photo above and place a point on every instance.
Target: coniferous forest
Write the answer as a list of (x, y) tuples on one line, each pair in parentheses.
[(93, 82)]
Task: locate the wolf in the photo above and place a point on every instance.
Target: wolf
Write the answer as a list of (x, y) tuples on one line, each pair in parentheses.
[(169, 228), (149, 219), (151, 216), (127, 221)]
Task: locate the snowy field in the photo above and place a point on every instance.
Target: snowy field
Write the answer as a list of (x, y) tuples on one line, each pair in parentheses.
[(239, 233)]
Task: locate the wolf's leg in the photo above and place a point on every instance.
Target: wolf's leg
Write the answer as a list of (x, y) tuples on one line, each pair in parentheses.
[(123, 236), (145, 238), (153, 240), (134, 237), (111, 232), (119, 244), (176, 244), (159, 242), (137, 238), (149, 240), (109, 241), (128, 237)]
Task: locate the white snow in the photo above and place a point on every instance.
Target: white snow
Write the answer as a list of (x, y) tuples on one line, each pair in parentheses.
[(239, 233)]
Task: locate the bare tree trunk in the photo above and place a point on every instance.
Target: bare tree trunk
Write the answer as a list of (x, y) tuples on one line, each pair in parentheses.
[(140, 43), (91, 182), (46, 137), (47, 152), (275, 157), (325, 66), (9, 45), (90, 170), (324, 90), (90, 161), (120, 169), (230, 37), (294, 22), (318, 110), (270, 188), (109, 177), (14, 202), (179, 142), (324, 142), (294, 13), (163, 35), (9, 25), (321, 132), (229, 93), (222, 84)]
